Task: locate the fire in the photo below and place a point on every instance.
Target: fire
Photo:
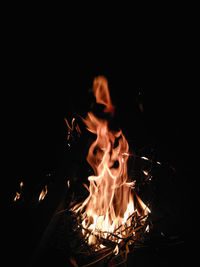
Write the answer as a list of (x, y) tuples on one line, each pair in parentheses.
[(112, 201)]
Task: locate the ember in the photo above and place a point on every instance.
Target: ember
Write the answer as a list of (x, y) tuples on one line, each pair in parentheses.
[(113, 216)]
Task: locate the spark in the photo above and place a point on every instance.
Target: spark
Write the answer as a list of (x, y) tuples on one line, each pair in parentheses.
[(145, 158), (145, 172)]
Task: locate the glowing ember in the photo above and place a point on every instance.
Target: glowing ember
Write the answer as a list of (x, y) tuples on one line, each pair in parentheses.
[(108, 211)]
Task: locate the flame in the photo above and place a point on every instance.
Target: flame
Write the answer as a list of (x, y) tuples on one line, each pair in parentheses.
[(111, 199), (68, 183), (18, 195), (43, 193), (74, 129), (102, 95)]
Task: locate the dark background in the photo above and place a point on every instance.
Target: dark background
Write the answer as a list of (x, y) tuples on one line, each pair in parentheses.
[(46, 83)]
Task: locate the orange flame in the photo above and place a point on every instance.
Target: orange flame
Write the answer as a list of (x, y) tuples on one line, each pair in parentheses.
[(111, 197), (18, 195), (102, 95), (43, 193)]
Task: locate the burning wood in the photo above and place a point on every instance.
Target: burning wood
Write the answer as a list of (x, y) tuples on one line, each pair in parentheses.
[(113, 216)]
